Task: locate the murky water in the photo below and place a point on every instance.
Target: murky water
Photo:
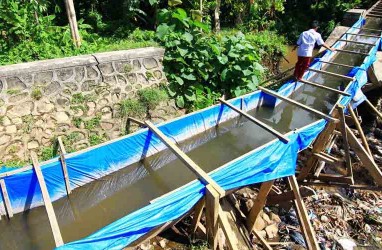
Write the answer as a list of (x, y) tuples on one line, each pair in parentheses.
[(103, 201)]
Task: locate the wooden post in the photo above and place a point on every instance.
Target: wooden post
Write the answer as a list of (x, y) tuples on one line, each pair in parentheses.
[(203, 176), (259, 204), (364, 156), (217, 16), (345, 141), (198, 211), (309, 234), (7, 202), (374, 108), (256, 121), (48, 204), (325, 87), (63, 165), (73, 22), (262, 240), (360, 130), (227, 230), (212, 213), (291, 101)]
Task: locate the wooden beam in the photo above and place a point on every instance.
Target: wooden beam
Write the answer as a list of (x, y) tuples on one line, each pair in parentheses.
[(325, 87), (368, 29), (48, 204), (262, 240), (360, 130), (327, 158), (198, 211), (7, 202), (354, 34), (352, 52), (259, 204), (342, 125), (309, 234), (335, 178), (63, 165), (356, 42), (365, 158), (338, 64), (332, 74), (291, 101), (257, 121), (212, 213), (343, 185), (227, 230), (374, 108), (203, 176), (373, 15), (274, 199), (139, 122)]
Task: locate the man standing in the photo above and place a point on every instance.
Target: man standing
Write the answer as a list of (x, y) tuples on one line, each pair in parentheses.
[(305, 44)]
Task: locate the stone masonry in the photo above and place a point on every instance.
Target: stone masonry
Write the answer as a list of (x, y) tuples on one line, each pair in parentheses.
[(76, 97)]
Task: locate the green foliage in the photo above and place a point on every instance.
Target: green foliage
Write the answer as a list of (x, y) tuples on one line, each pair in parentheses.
[(95, 139), (36, 94), (131, 107), (13, 91), (77, 121), (92, 123), (151, 97), (13, 163), (197, 63), (46, 153)]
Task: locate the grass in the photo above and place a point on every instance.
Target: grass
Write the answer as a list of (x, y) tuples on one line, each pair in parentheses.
[(151, 97), (36, 94), (13, 91), (131, 107), (77, 121), (92, 123), (95, 139)]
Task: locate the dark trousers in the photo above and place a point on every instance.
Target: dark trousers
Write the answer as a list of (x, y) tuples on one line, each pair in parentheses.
[(301, 66)]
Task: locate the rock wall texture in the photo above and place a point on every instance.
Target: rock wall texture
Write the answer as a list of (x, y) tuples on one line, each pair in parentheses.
[(76, 97)]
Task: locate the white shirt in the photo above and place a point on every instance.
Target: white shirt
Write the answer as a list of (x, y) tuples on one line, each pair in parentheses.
[(306, 42)]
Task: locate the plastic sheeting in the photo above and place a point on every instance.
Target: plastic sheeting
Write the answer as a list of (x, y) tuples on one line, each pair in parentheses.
[(273, 160)]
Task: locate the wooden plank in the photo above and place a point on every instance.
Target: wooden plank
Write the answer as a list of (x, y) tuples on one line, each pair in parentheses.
[(203, 176), (373, 15), (154, 232), (327, 158), (7, 202), (343, 185), (212, 212), (139, 122), (48, 204), (227, 230), (374, 108), (286, 99), (259, 204), (360, 130), (257, 121), (309, 234), (325, 87), (356, 42), (364, 157), (338, 64), (345, 141), (331, 73), (274, 199), (335, 178), (352, 52), (198, 211), (354, 34), (262, 240), (63, 165)]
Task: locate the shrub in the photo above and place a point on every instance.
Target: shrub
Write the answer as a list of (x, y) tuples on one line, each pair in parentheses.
[(151, 97)]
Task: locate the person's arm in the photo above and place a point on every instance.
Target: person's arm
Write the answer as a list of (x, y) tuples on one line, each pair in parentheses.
[(321, 42), (299, 41), (328, 47)]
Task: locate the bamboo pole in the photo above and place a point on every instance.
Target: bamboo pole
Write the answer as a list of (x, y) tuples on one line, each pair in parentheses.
[(374, 108), (331, 73), (63, 165), (256, 121), (373, 15), (325, 87), (360, 130), (345, 141), (356, 42), (309, 109), (338, 64), (7, 202), (367, 29), (353, 34), (352, 52), (73, 22)]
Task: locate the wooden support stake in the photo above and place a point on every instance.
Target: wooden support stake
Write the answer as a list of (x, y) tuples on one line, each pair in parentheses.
[(309, 234), (259, 204), (338, 64), (352, 52), (345, 142), (63, 165), (73, 22), (257, 121), (325, 87), (364, 156), (356, 42), (360, 130), (48, 204), (353, 34), (374, 108), (212, 213), (203, 176), (291, 101), (198, 211), (7, 202), (262, 240), (227, 230), (332, 74)]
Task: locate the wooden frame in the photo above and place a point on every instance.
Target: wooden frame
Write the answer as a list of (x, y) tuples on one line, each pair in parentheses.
[(325, 87), (257, 122), (286, 99), (331, 73)]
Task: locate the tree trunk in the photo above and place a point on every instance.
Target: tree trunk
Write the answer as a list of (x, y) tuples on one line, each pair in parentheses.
[(217, 16), (73, 22)]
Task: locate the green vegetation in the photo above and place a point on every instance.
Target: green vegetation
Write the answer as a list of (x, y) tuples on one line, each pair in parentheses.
[(92, 123), (46, 153), (95, 139), (151, 97), (77, 121), (36, 94), (131, 107), (13, 91)]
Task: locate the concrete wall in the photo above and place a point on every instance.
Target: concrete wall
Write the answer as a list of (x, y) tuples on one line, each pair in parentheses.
[(77, 97)]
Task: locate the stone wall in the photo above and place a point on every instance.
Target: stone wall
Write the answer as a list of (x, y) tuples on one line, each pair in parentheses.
[(76, 97)]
